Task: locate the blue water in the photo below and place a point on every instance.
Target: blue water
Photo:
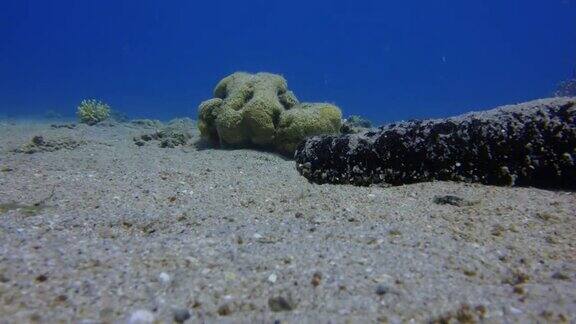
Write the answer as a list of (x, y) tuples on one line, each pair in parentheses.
[(387, 60)]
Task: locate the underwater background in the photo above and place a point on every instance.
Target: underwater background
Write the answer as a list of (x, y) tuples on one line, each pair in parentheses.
[(386, 60)]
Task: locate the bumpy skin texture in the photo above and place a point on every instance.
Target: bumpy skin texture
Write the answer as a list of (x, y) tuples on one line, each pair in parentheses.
[(530, 144), (258, 109)]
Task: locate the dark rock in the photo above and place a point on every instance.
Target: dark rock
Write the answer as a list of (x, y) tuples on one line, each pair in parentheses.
[(139, 142), (3, 278), (560, 276), (281, 304), (453, 200), (316, 279), (181, 315), (69, 126), (38, 140), (224, 310), (41, 278), (530, 144), (382, 290)]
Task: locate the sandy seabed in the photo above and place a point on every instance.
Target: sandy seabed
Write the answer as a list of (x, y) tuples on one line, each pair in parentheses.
[(95, 233)]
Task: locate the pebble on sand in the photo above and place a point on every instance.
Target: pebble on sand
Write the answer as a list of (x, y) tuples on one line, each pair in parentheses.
[(316, 279), (141, 316), (272, 278), (279, 304), (181, 315), (164, 278), (382, 290)]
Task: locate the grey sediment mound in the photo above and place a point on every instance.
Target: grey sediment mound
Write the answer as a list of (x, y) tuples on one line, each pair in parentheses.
[(529, 144), (176, 133), (149, 123), (39, 144)]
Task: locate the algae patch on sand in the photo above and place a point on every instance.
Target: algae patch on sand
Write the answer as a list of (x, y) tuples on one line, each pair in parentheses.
[(39, 144), (178, 132), (28, 210)]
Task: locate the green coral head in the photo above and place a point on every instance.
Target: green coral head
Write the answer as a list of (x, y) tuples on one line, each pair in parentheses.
[(305, 120), (259, 109), (92, 111)]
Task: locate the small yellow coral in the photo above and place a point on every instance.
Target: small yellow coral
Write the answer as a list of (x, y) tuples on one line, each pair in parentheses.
[(92, 111)]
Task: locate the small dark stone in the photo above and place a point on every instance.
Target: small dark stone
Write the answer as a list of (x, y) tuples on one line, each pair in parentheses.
[(168, 143), (61, 298), (519, 290), (224, 310), (281, 304), (316, 279), (41, 278), (382, 290), (560, 276), (38, 140), (181, 315)]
